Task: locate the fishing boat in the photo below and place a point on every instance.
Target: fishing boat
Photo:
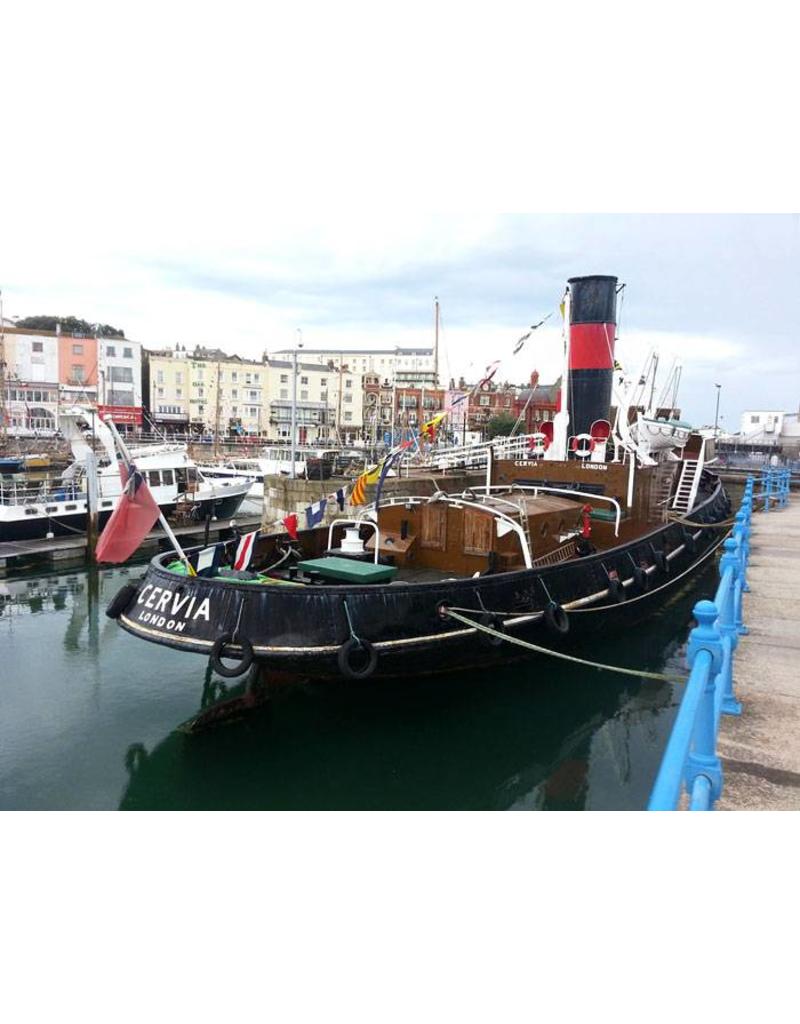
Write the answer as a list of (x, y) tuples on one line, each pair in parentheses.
[(59, 507), (583, 526)]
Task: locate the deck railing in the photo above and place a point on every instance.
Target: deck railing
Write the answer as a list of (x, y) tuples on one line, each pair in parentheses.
[(775, 485)]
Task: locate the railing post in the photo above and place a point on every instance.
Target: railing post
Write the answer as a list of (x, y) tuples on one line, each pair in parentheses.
[(703, 760), (729, 610)]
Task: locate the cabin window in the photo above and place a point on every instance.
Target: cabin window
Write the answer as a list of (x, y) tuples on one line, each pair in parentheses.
[(31, 511), (154, 476), (70, 508), (477, 532), (434, 527), (167, 478), (107, 504), (51, 508)]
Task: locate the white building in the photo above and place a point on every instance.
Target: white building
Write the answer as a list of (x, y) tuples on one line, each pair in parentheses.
[(329, 403), (119, 379), (31, 381), (412, 366), (770, 428)]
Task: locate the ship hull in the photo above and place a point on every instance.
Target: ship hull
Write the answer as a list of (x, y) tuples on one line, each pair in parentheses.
[(302, 630)]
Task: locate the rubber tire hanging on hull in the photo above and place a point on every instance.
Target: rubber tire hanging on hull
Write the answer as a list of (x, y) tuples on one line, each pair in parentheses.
[(616, 591), (556, 619), (120, 601), (642, 580), (343, 659), (217, 652), (493, 622)]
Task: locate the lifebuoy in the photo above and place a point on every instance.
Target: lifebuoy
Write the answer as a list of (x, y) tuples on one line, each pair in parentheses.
[(642, 579), (218, 652), (556, 619), (493, 622), (582, 452), (537, 446), (344, 659), (616, 591), (120, 601)]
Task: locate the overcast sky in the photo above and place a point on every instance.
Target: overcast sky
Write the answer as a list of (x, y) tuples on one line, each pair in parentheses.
[(225, 181)]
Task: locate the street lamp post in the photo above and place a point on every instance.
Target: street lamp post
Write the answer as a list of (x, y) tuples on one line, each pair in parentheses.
[(716, 414)]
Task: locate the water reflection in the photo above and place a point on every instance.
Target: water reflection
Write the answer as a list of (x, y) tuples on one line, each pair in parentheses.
[(100, 726)]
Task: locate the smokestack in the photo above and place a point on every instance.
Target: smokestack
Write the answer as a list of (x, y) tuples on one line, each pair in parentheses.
[(593, 324)]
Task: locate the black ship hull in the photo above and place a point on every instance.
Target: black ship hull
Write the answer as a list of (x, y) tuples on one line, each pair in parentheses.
[(304, 630)]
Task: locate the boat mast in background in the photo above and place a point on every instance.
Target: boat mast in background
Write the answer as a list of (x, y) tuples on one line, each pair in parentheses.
[(436, 343), (2, 372)]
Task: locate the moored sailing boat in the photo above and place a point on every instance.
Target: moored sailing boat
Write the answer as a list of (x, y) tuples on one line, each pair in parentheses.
[(591, 527)]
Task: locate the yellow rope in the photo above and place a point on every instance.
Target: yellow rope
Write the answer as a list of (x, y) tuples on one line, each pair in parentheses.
[(660, 676)]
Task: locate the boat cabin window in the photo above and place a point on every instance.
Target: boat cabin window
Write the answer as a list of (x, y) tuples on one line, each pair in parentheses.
[(477, 532), (167, 477), (434, 527), (154, 477)]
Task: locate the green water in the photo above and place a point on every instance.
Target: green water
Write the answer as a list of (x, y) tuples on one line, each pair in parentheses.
[(89, 717)]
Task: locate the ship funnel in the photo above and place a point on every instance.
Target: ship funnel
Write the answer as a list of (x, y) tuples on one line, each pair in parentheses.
[(593, 324)]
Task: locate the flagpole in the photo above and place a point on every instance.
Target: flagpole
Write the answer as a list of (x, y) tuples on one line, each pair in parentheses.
[(164, 524)]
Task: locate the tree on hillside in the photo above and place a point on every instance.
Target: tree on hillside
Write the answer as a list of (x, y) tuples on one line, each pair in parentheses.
[(500, 425), (70, 325)]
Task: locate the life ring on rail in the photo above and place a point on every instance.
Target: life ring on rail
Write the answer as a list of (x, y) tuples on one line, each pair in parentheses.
[(537, 446), (218, 651), (642, 579), (616, 591), (120, 601), (349, 666), (585, 450), (556, 619), (493, 622)]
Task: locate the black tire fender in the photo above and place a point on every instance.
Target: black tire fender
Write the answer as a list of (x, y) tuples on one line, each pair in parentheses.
[(642, 579), (345, 661), (689, 541), (218, 650), (120, 601), (493, 622), (556, 619), (661, 560), (616, 591)]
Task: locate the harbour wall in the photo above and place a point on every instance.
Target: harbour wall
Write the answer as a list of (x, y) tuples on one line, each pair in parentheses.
[(284, 496)]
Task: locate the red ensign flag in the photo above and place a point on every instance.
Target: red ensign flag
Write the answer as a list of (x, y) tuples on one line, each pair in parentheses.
[(130, 522)]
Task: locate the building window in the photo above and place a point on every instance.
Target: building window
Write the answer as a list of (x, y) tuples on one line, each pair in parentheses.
[(304, 380), (179, 378), (348, 398), (111, 350), (755, 419), (348, 383), (484, 400), (37, 346), (256, 378), (303, 396), (178, 393), (284, 393), (120, 374), (323, 382), (323, 396), (160, 377), (284, 378), (77, 350), (234, 376), (77, 373), (127, 353), (348, 416), (234, 393), (159, 392)]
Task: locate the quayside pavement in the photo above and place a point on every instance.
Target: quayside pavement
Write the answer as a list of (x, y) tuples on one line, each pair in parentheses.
[(760, 750)]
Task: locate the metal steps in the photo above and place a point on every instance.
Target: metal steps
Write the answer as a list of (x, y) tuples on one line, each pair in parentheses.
[(688, 483)]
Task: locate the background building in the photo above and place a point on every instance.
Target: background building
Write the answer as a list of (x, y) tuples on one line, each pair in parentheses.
[(119, 380), (411, 366), (31, 376)]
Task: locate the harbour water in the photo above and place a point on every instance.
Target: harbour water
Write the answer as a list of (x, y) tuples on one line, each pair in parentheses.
[(89, 718)]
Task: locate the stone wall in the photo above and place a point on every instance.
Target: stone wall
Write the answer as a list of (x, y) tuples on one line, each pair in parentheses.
[(283, 495)]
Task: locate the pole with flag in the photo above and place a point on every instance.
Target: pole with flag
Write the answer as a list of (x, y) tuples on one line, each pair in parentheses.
[(134, 516)]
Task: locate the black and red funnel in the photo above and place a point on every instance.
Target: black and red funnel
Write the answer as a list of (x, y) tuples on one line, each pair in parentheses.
[(593, 326)]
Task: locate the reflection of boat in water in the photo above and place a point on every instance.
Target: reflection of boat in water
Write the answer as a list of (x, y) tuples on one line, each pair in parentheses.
[(31, 511), (590, 530), (534, 737)]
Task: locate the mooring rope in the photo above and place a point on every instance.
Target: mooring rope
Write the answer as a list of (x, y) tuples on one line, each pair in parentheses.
[(660, 676), (725, 524)]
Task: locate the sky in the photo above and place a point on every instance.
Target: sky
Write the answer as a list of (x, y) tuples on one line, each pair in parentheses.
[(231, 182)]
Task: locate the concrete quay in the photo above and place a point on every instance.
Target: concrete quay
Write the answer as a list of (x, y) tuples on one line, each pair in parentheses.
[(760, 750)]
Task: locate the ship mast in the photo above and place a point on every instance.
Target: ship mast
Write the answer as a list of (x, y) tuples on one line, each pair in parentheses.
[(436, 343)]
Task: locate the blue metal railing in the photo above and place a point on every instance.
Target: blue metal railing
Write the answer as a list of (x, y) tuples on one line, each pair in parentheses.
[(690, 760)]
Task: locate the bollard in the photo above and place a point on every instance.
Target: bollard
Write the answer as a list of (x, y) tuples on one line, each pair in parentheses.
[(703, 762)]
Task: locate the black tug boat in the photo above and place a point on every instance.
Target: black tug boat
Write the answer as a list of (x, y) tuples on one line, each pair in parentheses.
[(582, 526)]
